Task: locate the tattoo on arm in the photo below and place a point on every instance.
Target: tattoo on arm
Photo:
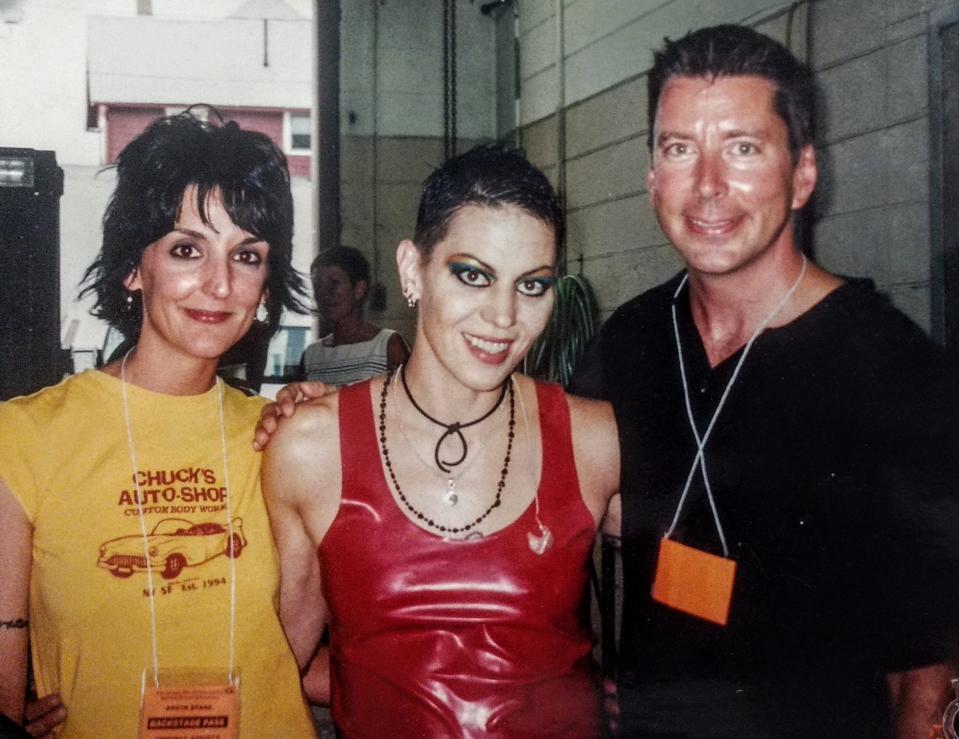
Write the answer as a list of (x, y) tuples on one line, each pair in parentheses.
[(17, 623)]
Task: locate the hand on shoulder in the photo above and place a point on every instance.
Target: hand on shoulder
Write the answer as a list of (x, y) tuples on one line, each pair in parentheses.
[(313, 425), (287, 400)]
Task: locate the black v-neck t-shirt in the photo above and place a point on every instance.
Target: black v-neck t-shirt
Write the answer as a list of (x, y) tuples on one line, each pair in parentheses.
[(833, 466)]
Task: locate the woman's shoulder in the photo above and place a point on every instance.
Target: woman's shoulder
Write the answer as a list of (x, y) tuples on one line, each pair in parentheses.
[(86, 388), (312, 419)]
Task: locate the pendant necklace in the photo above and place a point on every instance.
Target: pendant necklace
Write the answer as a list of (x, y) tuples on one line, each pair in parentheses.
[(420, 516), (451, 494), (453, 430)]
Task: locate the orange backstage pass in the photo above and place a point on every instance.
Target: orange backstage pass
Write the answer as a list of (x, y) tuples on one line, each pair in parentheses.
[(190, 710), (694, 582)]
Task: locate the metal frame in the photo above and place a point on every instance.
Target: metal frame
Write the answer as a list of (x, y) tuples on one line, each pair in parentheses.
[(939, 320)]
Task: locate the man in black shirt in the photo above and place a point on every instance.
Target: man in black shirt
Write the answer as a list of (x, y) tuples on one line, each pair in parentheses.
[(788, 440)]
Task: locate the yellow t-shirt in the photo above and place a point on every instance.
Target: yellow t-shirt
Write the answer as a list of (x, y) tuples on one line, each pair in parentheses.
[(65, 456)]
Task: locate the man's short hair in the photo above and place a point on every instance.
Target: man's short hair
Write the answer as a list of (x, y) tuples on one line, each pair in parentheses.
[(489, 175), (347, 258), (155, 170), (727, 51)]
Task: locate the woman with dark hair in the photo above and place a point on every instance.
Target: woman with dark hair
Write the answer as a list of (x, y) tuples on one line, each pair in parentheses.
[(445, 531), (354, 349), (134, 538)]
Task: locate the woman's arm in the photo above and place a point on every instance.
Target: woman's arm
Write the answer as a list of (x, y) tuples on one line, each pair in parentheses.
[(16, 545), (596, 452), (301, 484)]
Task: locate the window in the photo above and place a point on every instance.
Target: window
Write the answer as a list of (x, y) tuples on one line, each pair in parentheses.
[(300, 132)]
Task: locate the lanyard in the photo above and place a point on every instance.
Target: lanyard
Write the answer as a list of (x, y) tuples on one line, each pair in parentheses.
[(700, 459), (143, 526)]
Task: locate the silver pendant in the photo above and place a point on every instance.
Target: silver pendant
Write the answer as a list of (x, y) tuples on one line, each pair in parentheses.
[(542, 543), (451, 498)]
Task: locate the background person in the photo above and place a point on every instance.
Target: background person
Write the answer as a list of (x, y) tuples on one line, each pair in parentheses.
[(133, 533), (827, 424), (354, 349), (455, 518)]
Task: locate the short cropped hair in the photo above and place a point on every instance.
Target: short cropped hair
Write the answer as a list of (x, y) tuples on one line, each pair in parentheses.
[(154, 171), (730, 50), (490, 175), (347, 258)]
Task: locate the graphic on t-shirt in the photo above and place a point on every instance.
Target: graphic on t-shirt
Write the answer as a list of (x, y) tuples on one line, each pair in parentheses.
[(174, 543)]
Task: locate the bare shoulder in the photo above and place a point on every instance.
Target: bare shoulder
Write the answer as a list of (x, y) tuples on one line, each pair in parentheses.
[(303, 457), (314, 416)]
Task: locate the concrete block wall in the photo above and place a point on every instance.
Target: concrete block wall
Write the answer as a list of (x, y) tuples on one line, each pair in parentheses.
[(391, 125), (612, 235), (380, 184), (871, 61)]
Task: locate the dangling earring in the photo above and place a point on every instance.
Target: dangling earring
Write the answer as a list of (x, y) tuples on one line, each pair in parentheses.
[(128, 302), (262, 314), (410, 300)]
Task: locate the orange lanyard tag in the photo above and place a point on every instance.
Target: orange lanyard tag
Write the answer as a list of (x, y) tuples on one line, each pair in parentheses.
[(694, 582), (208, 710)]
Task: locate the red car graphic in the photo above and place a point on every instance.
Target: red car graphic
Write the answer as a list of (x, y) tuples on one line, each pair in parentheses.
[(174, 544)]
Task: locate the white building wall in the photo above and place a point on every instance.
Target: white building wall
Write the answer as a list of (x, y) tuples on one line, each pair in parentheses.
[(43, 89), (226, 61)]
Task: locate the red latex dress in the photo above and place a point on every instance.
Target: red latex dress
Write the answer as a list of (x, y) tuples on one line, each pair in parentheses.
[(435, 638)]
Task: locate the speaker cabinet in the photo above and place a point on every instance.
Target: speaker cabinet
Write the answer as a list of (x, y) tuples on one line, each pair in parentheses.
[(31, 184)]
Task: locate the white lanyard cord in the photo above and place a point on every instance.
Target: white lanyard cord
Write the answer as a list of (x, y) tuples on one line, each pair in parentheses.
[(143, 528), (700, 459), (231, 541)]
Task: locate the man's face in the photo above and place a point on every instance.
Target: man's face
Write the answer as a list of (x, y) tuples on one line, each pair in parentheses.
[(722, 180)]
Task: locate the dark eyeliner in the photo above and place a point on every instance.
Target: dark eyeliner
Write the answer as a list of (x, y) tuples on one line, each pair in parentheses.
[(545, 282), (461, 268)]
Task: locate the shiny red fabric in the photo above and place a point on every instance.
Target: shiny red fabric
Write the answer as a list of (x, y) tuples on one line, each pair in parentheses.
[(435, 638)]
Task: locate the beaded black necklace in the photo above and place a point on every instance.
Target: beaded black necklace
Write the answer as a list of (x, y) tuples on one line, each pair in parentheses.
[(502, 476)]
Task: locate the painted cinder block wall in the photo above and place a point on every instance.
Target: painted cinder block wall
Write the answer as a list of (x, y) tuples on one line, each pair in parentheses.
[(391, 122), (872, 64)]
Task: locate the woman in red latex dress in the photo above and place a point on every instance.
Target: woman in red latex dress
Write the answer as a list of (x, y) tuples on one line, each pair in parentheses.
[(440, 518)]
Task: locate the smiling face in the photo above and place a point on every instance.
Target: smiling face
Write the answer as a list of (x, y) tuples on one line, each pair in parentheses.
[(201, 283), (722, 181), (485, 293)]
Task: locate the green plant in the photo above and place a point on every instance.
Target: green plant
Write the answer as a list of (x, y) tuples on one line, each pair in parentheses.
[(574, 321)]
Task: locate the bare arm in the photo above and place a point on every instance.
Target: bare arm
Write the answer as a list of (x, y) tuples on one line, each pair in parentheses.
[(301, 484), (917, 699), (16, 543), (596, 451), (613, 522), (316, 679)]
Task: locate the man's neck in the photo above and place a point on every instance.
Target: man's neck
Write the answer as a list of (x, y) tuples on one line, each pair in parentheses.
[(728, 309)]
